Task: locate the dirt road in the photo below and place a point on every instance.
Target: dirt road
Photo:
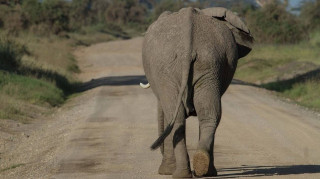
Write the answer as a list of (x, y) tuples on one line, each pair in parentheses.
[(106, 132)]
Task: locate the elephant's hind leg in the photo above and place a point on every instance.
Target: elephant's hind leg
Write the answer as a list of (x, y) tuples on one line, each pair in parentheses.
[(175, 143), (208, 107), (168, 164), (179, 145)]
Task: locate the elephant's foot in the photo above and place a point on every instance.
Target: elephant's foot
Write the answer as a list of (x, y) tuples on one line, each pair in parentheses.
[(167, 168), (201, 162), (179, 173), (201, 165)]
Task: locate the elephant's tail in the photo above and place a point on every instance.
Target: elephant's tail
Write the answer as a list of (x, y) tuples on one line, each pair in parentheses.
[(186, 63), (166, 132), (186, 60)]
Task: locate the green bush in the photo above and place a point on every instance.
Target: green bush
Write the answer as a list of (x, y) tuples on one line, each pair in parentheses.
[(48, 16), (12, 19), (310, 14), (125, 11), (32, 10), (173, 6), (98, 10), (55, 15), (314, 39), (11, 53), (80, 14), (274, 24)]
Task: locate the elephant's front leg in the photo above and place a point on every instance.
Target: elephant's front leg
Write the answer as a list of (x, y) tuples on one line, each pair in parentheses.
[(207, 101)]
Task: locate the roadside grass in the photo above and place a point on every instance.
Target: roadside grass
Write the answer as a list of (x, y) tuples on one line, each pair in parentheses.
[(87, 39), (267, 61), (24, 98), (38, 73), (50, 52), (93, 34), (305, 93), (12, 167), (36, 78), (292, 70), (34, 91)]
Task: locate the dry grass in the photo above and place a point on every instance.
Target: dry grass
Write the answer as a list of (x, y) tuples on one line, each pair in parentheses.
[(42, 78), (264, 61), (45, 75)]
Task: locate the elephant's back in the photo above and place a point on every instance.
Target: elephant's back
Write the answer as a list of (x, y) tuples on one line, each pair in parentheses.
[(166, 39), (164, 45)]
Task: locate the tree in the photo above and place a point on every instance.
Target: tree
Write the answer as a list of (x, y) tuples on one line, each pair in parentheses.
[(274, 24), (33, 10), (80, 13), (125, 11), (310, 14), (55, 15)]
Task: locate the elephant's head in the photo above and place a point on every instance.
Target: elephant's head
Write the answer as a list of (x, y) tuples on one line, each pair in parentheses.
[(239, 30)]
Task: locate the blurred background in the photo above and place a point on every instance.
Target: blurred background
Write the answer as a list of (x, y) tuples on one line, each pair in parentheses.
[(37, 37)]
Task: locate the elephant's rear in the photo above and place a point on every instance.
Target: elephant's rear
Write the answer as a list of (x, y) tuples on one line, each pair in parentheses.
[(163, 48), (174, 35)]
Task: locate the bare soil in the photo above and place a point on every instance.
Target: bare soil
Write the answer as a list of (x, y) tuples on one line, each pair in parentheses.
[(106, 131)]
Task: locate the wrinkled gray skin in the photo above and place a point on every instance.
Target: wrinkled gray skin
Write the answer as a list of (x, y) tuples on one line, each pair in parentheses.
[(189, 59)]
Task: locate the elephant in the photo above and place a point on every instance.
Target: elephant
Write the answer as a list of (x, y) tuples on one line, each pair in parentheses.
[(189, 58)]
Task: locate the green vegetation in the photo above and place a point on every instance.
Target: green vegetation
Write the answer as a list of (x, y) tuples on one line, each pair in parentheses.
[(286, 55), (273, 24), (33, 76), (12, 167), (29, 89), (293, 70), (37, 68), (304, 91), (11, 54), (272, 61)]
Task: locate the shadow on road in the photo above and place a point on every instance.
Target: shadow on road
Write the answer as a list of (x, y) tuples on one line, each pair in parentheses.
[(112, 81), (284, 85), (259, 171), (127, 80), (239, 82)]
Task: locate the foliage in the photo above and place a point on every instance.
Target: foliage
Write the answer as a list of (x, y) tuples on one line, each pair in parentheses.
[(125, 11), (32, 10), (11, 53), (310, 14), (12, 19), (314, 38), (274, 24), (79, 13), (271, 62), (166, 5), (290, 69), (35, 76), (173, 6), (55, 15), (304, 92)]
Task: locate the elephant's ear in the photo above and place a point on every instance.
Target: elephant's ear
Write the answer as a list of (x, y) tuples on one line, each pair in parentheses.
[(244, 42), (236, 25)]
